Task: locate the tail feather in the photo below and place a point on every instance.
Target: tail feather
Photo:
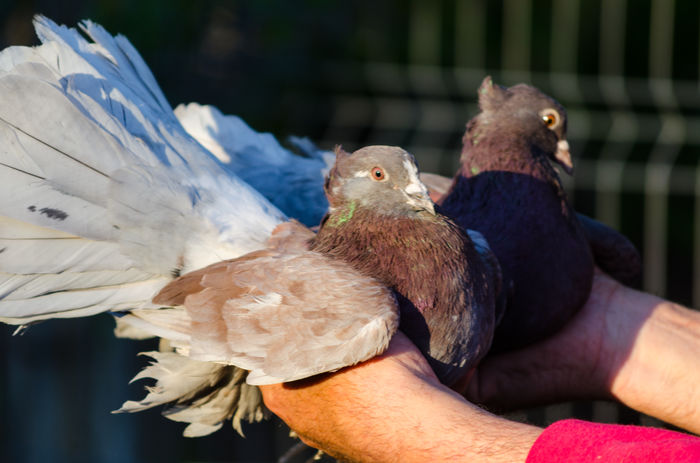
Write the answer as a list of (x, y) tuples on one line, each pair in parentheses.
[(46, 273), (111, 57), (56, 135), (203, 394), (94, 161), (261, 161), (11, 229), (171, 324), (129, 60), (26, 256), (231, 139), (80, 302), (33, 200), (17, 287)]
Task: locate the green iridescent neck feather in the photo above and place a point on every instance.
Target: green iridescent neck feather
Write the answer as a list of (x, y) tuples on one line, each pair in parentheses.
[(342, 214)]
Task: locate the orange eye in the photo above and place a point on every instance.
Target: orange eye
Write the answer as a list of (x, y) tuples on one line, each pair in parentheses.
[(550, 118), (377, 173)]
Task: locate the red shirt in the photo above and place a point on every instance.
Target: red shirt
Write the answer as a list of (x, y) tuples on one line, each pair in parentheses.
[(582, 441)]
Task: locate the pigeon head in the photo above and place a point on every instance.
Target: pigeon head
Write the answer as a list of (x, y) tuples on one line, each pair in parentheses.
[(381, 178), (526, 112)]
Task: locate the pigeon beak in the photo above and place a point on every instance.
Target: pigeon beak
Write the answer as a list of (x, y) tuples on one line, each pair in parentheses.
[(416, 193), (563, 156), (421, 201)]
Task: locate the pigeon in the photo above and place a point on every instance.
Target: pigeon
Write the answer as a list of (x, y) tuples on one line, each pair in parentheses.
[(447, 281), (109, 205), (508, 189)]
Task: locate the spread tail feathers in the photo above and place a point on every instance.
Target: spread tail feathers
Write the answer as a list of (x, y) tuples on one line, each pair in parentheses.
[(104, 195)]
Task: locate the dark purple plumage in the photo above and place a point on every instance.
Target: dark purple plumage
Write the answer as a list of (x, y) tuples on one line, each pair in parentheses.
[(613, 252), (508, 189), (445, 287)]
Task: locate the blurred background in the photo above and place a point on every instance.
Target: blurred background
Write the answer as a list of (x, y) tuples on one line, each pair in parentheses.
[(396, 72)]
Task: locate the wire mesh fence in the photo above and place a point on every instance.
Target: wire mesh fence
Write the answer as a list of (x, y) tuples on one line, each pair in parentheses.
[(407, 74)]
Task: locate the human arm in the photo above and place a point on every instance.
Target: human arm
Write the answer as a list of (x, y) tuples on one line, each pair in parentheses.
[(393, 408), (624, 344)]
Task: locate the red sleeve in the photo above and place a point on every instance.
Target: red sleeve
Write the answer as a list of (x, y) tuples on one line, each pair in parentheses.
[(582, 441)]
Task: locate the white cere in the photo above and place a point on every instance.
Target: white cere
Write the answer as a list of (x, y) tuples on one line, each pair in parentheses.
[(415, 186)]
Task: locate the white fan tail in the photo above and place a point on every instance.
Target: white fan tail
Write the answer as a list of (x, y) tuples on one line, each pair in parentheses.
[(104, 196)]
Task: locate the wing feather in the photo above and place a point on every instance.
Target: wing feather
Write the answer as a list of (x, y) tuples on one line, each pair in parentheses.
[(286, 316)]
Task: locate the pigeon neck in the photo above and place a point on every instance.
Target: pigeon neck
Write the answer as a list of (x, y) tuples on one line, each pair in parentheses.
[(405, 254), (340, 215), (490, 147)]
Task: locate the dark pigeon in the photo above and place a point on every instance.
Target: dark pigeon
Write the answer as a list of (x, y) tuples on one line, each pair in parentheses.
[(382, 222), (508, 189)]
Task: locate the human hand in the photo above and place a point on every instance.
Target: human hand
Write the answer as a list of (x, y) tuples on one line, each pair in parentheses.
[(623, 344), (573, 363), (393, 408)]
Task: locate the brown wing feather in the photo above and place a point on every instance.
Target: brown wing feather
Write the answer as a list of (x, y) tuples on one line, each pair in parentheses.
[(290, 236), (284, 312), (175, 292), (287, 236), (288, 316)]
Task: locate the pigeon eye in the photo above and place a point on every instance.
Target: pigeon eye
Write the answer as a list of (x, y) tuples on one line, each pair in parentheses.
[(377, 173), (550, 118)]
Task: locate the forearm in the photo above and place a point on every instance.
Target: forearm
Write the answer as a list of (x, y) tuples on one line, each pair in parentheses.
[(660, 373), (387, 410)]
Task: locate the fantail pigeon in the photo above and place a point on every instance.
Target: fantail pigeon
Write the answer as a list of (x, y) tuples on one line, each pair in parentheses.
[(105, 198), (508, 189)]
